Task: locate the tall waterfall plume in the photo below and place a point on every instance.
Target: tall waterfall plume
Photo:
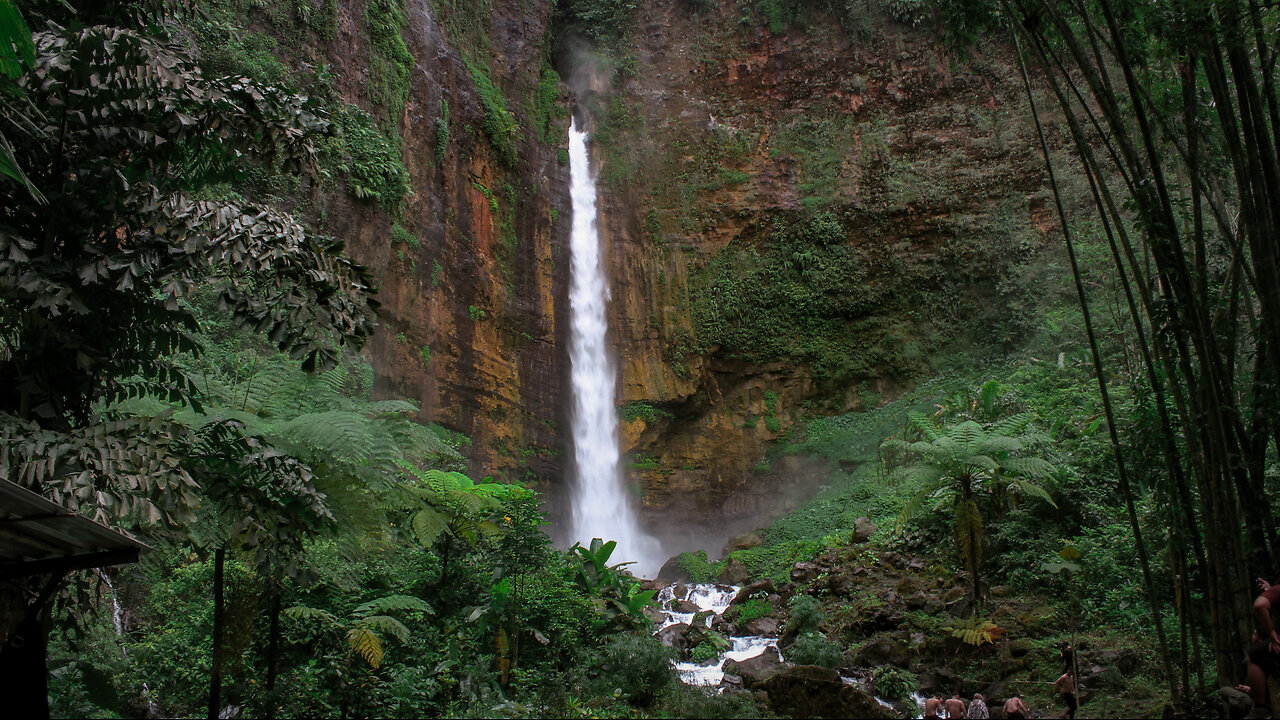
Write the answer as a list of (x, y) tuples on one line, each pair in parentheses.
[(601, 507)]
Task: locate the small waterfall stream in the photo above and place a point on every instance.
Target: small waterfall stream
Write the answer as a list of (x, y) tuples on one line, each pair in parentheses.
[(601, 507)]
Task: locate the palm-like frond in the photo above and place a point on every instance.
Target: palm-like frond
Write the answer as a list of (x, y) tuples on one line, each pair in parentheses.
[(303, 612), (1013, 425), (364, 642), (388, 625), (924, 426), (392, 603), (1032, 467)]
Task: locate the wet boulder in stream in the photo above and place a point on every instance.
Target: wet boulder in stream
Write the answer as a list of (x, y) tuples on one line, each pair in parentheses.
[(816, 691), (755, 671), (764, 587)]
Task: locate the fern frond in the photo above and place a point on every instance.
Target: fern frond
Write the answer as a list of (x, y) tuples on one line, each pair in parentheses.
[(1013, 425), (388, 625), (391, 603), (967, 434), (389, 407), (364, 642), (303, 612), (1029, 488), (428, 525), (924, 425), (1032, 467)]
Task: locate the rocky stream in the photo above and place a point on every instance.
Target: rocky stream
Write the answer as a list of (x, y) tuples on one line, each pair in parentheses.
[(750, 659)]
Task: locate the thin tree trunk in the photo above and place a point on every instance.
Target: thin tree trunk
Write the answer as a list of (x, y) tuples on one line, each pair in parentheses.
[(1121, 470), (215, 675)]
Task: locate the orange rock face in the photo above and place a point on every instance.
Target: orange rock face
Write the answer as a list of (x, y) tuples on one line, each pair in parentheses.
[(921, 158)]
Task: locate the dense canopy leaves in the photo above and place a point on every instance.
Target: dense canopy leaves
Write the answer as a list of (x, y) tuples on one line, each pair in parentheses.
[(128, 132)]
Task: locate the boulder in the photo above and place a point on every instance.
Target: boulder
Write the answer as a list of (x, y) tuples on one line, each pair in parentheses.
[(863, 529), (909, 585), (1102, 677), (734, 572), (882, 651), (745, 541), (759, 586), (671, 572), (653, 613), (1017, 648), (1238, 704), (892, 560), (815, 691), (675, 636), (1126, 660), (916, 601), (762, 626), (804, 572), (684, 606), (680, 591), (755, 671)]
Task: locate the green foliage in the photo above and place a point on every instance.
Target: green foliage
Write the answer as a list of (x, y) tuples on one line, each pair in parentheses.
[(605, 21), (562, 157), (696, 565), (400, 235), (908, 12), (500, 124), (639, 666), (894, 683), (442, 132), (648, 412), (806, 615), (368, 160), (549, 106), (390, 63), (424, 354), (753, 609), (619, 599), (805, 296), (477, 314), (815, 649)]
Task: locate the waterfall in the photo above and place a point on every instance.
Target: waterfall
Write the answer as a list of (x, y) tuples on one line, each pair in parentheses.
[(601, 507)]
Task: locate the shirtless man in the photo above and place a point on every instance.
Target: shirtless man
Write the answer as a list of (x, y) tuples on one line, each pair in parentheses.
[(933, 708), (955, 708), (1066, 687), (1264, 654), (1015, 709)]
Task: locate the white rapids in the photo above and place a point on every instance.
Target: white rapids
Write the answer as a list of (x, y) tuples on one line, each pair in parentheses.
[(601, 507), (713, 600)]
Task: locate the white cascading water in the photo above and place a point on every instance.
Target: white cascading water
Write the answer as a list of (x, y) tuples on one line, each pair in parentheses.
[(601, 507)]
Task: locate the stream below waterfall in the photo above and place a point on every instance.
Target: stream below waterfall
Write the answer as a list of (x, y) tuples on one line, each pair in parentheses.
[(711, 600)]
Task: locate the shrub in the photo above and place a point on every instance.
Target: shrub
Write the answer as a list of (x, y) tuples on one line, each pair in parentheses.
[(815, 649), (400, 235), (637, 665), (442, 131), (753, 609), (894, 683), (499, 123), (366, 157), (806, 614)]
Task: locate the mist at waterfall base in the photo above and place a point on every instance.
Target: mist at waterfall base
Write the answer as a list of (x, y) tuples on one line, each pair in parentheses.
[(601, 505)]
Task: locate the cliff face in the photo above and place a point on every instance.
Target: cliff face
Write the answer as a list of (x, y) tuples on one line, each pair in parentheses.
[(474, 316), (797, 221)]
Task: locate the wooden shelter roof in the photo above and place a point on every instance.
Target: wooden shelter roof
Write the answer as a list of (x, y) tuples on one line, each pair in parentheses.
[(38, 535)]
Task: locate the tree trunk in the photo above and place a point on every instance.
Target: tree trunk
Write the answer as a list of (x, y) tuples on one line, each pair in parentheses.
[(215, 675)]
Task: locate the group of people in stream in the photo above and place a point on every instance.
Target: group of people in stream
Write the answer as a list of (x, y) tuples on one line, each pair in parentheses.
[(1015, 708)]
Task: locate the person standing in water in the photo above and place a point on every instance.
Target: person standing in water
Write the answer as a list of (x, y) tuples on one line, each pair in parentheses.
[(1015, 709), (955, 708), (933, 708), (978, 708)]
